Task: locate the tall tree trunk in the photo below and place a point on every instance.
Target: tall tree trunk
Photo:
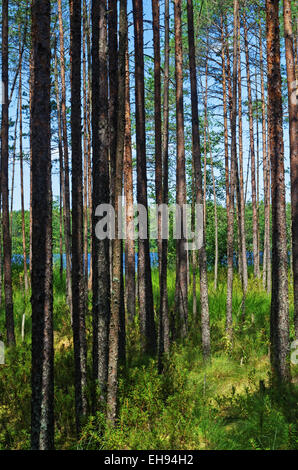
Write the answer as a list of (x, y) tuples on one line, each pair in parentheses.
[(61, 167), (157, 118), (229, 194), (4, 184), (181, 306), (31, 85), (117, 242), (100, 195), (113, 87), (86, 18), (130, 288), (279, 317), (241, 179), (252, 153), (205, 323), (266, 176), (86, 156), (78, 284), (13, 166), (42, 376), (164, 333), (66, 212), (26, 281), (293, 129), (147, 325)]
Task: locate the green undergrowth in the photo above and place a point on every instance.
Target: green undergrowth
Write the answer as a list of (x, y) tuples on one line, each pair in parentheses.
[(225, 404)]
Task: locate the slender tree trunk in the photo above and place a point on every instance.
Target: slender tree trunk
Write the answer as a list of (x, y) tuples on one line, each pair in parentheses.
[(66, 212), (13, 166), (279, 318), (85, 127), (266, 176), (113, 87), (31, 85), (181, 306), (130, 288), (252, 153), (157, 118), (229, 195), (4, 184), (61, 168), (78, 285), (116, 243), (42, 376), (293, 129), (100, 195), (215, 210), (205, 323), (89, 170), (147, 324), (241, 179), (26, 281), (164, 333)]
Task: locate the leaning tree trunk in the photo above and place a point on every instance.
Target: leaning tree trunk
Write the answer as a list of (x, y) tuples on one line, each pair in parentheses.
[(4, 184), (293, 129), (42, 373), (279, 317)]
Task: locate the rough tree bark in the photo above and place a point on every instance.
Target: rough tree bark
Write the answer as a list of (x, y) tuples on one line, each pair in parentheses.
[(181, 303), (229, 193), (147, 324), (252, 154), (293, 129), (100, 195), (205, 323), (26, 280), (117, 241), (164, 335), (66, 212), (130, 283), (279, 317), (4, 184), (42, 410), (78, 283)]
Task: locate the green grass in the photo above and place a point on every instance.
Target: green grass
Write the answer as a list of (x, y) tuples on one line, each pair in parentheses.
[(190, 406)]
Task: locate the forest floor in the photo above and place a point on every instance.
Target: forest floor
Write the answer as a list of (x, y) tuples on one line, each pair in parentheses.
[(227, 404)]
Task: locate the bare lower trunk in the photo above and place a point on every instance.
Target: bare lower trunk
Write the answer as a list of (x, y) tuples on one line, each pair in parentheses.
[(293, 129), (100, 195), (147, 325), (4, 184), (279, 318), (42, 377), (66, 212), (116, 243), (181, 306), (205, 323), (252, 153), (130, 288)]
